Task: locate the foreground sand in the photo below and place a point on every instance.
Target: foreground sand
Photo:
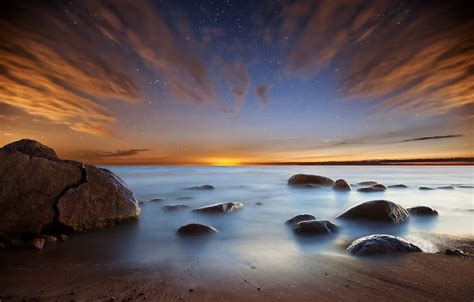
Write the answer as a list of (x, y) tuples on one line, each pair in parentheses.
[(414, 277)]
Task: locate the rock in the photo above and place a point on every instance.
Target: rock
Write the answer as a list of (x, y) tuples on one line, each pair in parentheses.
[(203, 187), (38, 243), (175, 207), (426, 188), (196, 229), (381, 245), (225, 207), (49, 238), (2, 246), (103, 200), (16, 242), (42, 192), (301, 217), (341, 185), (399, 186), (316, 227), (422, 211), (184, 198), (445, 188), (259, 203), (466, 187), (454, 252), (157, 199), (380, 186), (367, 183), (377, 210), (308, 179), (370, 190)]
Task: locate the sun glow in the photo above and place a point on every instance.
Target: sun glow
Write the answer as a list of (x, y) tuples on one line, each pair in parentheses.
[(223, 161)]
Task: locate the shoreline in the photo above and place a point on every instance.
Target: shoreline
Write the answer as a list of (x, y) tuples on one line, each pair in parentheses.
[(327, 277)]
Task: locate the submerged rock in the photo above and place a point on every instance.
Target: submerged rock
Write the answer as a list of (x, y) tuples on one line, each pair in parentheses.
[(371, 190), (184, 198), (175, 207), (259, 203), (225, 207), (203, 187), (378, 211), (399, 186), (380, 244), (196, 229), (43, 192), (308, 179), (445, 188), (316, 227), (380, 186), (301, 217), (341, 185), (367, 183), (422, 211), (426, 188), (466, 187), (158, 199)]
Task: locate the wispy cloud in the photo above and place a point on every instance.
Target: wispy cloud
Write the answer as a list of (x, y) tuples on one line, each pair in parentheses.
[(65, 63), (424, 138), (409, 58), (262, 92)]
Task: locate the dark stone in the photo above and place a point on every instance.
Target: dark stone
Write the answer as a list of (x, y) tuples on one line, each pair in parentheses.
[(308, 179), (377, 210), (41, 192), (225, 207), (301, 217), (341, 185), (371, 190), (2, 246), (445, 188), (367, 183), (381, 245), (159, 199), (316, 227), (466, 187), (399, 186), (426, 188), (259, 203), (454, 252), (422, 211), (203, 187), (184, 198), (380, 186), (196, 229), (175, 207)]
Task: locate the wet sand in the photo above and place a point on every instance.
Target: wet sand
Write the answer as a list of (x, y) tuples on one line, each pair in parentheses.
[(322, 277)]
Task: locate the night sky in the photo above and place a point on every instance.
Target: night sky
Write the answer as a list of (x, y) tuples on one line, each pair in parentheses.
[(233, 82)]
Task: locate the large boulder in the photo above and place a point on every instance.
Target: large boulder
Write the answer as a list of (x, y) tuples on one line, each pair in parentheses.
[(341, 185), (225, 207), (308, 179), (316, 227), (378, 211), (43, 192), (380, 244)]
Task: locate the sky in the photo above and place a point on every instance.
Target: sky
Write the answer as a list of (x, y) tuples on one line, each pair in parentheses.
[(235, 82)]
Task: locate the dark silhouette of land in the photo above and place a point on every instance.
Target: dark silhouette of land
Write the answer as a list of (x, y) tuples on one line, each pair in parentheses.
[(425, 161)]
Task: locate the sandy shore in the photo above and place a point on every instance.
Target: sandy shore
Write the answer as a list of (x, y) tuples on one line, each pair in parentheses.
[(322, 277)]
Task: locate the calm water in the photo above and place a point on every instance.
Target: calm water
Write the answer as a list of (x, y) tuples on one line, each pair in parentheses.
[(257, 233)]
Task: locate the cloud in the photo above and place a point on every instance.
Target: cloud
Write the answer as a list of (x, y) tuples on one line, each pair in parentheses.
[(99, 154), (262, 92), (409, 58), (432, 137), (238, 81), (67, 62)]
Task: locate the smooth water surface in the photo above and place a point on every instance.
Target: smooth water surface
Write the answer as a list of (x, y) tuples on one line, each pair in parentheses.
[(258, 233)]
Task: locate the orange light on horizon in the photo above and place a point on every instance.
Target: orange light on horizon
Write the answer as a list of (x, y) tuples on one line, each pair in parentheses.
[(222, 161)]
